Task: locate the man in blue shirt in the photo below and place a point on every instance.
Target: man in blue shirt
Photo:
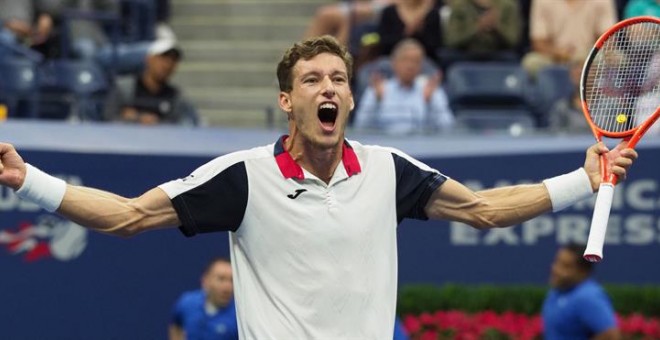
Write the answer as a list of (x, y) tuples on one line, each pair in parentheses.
[(577, 307), (409, 102), (207, 313)]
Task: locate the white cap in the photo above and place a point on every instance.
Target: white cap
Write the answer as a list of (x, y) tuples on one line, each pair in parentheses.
[(162, 46)]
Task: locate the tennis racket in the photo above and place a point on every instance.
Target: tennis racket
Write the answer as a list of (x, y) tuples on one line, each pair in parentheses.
[(621, 72)]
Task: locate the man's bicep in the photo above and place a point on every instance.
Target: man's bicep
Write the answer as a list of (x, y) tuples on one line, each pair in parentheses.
[(452, 201), (157, 201)]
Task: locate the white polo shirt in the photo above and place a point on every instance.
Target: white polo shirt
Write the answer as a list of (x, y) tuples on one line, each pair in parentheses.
[(311, 260)]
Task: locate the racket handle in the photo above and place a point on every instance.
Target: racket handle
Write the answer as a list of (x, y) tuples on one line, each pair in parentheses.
[(594, 251)]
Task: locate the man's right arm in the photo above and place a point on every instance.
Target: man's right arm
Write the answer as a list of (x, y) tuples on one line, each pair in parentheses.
[(112, 214), (96, 209)]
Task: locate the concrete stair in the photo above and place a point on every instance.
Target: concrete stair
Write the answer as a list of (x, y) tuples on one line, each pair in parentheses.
[(231, 49)]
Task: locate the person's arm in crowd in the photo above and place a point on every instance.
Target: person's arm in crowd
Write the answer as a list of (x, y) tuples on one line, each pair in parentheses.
[(439, 106), (508, 25), (366, 111), (539, 34), (506, 206), (460, 28), (607, 16)]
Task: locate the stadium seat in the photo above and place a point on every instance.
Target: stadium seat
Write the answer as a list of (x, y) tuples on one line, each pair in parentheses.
[(498, 121), (18, 86), (72, 89), (552, 83), (487, 85)]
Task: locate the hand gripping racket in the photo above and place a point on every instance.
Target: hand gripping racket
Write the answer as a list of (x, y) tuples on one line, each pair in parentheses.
[(621, 72)]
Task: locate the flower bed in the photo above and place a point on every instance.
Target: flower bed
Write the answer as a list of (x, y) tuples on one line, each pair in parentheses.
[(460, 325)]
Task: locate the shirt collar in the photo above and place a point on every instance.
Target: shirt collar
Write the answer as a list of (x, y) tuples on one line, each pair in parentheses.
[(291, 169)]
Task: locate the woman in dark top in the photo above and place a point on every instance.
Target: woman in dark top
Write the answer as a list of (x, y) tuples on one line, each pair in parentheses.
[(417, 19)]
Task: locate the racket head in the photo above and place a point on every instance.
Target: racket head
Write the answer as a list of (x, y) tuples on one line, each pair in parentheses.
[(622, 68)]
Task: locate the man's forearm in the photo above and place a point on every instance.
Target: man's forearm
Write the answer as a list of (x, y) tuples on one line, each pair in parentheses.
[(112, 214)]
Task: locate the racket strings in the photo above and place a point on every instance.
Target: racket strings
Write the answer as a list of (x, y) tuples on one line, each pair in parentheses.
[(624, 74)]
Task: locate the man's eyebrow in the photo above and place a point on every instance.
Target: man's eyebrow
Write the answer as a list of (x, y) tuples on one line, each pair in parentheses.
[(317, 73)]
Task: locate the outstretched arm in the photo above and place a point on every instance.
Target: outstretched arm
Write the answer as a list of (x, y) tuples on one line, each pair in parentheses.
[(112, 214), (96, 209), (512, 205)]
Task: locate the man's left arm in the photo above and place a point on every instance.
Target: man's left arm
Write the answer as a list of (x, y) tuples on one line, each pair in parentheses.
[(506, 206)]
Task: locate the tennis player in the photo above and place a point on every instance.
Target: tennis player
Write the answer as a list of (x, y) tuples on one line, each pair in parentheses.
[(312, 216)]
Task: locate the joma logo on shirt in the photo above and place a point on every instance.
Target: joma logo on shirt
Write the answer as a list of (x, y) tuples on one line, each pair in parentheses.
[(296, 194)]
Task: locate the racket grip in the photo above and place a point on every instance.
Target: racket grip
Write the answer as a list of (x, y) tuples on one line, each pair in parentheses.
[(594, 251)]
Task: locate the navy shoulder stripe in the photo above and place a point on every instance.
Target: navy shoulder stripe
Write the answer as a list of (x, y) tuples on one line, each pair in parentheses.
[(216, 205)]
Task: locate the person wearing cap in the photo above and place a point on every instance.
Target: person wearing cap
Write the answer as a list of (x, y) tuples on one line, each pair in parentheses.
[(149, 98)]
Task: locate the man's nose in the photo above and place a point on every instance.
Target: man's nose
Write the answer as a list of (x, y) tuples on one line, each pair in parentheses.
[(328, 87)]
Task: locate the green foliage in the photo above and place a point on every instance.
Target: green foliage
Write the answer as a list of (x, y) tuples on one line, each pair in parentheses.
[(526, 299)]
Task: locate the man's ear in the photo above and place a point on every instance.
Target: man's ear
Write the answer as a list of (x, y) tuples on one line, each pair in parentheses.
[(285, 102)]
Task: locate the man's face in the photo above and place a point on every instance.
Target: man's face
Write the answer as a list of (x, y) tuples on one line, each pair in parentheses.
[(218, 285), (161, 67), (407, 64), (320, 100), (565, 272)]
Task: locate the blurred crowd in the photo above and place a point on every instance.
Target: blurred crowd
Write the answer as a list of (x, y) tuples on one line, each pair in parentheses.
[(477, 64), (91, 60), (422, 66)]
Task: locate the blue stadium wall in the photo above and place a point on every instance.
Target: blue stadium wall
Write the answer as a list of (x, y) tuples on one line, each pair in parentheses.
[(94, 286)]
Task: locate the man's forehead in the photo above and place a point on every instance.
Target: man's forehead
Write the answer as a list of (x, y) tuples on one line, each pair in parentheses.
[(321, 63)]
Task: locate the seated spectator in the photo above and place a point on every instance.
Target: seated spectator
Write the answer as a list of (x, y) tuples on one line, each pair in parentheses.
[(16, 19), (209, 312), (408, 102), (149, 98), (482, 30), (417, 19), (566, 115), (560, 29), (649, 100), (84, 36), (636, 8), (336, 19)]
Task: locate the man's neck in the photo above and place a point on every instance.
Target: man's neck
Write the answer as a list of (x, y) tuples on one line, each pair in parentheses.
[(321, 162)]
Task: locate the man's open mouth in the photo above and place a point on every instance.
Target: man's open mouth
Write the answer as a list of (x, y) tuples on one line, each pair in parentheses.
[(328, 114)]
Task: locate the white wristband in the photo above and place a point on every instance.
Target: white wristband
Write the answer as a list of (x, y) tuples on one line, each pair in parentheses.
[(41, 188), (568, 189)]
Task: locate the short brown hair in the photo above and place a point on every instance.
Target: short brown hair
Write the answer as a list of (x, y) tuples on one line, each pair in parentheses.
[(308, 49)]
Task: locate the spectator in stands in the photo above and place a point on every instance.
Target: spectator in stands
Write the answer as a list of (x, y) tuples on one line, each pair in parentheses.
[(409, 102), (149, 98), (417, 19), (482, 30), (336, 19), (576, 307), (566, 115), (636, 8), (560, 29), (85, 37), (16, 19), (649, 100), (207, 313)]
